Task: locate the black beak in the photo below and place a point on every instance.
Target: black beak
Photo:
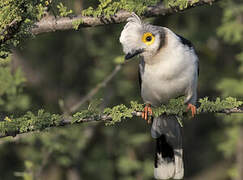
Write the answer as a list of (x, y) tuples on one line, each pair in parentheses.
[(133, 53)]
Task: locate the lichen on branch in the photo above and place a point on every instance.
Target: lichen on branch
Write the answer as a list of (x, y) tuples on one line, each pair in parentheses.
[(16, 20), (108, 8), (11, 126), (23, 18)]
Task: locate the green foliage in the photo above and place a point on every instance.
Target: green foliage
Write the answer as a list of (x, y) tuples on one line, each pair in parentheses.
[(24, 13), (138, 139), (94, 151), (136, 106), (233, 173), (11, 95), (118, 113), (76, 23), (28, 174), (92, 112), (180, 4), (21, 15), (29, 122), (119, 60), (218, 104), (41, 11), (128, 165), (43, 120), (63, 10), (174, 107), (226, 147), (106, 8), (231, 29), (225, 86), (239, 57)]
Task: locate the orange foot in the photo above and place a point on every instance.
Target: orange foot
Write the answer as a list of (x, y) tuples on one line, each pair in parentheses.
[(147, 113), (192, 108)]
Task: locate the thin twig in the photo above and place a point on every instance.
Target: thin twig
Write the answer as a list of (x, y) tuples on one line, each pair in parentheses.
[(100, 85), (45, 160), (8, 26)]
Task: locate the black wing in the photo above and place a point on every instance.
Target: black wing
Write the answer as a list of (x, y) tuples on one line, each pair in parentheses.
[(198, 69), (185, 41)]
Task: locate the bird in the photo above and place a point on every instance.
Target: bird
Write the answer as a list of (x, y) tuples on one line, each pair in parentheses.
[(168, 68)]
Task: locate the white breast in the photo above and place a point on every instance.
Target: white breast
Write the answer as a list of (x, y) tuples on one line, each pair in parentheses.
[(170, 76)]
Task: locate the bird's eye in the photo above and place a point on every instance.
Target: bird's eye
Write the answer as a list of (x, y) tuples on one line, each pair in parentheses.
[(148, 38)]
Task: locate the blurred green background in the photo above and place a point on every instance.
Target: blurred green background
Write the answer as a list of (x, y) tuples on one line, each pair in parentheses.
[(53, 71)]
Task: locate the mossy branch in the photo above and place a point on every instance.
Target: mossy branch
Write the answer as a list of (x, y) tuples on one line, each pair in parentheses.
[(91, 18), (21, 19), (11, 126)]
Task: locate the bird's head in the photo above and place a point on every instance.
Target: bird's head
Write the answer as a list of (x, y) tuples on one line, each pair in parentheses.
[(138, 38)]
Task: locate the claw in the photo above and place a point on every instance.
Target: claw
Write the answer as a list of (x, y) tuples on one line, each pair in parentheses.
[(147, 113), (192, 108)]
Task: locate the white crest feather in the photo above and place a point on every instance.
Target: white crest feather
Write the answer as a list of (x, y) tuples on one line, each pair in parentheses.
[(134, 19), (131, 33)]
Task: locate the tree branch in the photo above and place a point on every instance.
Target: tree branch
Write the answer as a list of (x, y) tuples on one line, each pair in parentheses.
[(52, 24), (10, 30), (230, 111), (105, 119)]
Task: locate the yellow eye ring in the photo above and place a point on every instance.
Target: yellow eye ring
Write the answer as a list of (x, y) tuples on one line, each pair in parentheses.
[(148, 38)]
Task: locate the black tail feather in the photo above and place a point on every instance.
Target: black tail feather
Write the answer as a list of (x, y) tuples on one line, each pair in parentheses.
[(163, 148)]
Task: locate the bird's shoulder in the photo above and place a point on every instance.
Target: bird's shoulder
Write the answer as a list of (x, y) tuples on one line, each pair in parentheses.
[(189, 44), (176, 38), (185, 41)]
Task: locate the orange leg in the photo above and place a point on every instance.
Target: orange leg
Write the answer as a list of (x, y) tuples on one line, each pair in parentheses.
[(192, 108), (147, 113)]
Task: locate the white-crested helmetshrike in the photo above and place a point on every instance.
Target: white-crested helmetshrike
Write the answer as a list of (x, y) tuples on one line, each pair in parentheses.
[(168, 69)]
